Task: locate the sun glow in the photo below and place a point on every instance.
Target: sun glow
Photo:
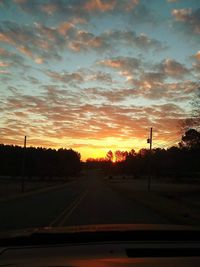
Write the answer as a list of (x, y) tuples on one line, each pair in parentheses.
[(96, 149)]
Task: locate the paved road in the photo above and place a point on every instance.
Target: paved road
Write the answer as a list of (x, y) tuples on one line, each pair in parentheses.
[(89, 200)]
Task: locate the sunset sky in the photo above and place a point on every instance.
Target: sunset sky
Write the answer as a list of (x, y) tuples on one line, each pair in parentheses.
[(95, 75)]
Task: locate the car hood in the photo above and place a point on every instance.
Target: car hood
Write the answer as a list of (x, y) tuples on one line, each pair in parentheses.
[(96, 228)]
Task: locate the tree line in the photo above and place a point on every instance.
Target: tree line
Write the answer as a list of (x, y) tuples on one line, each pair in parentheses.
[(178, 161), (39, 162)]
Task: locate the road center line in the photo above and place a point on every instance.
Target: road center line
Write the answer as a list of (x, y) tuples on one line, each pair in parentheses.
[(72, 208), (67, 211)]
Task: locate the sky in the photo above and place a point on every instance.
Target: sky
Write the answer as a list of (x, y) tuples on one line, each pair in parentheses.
[(95, 75)]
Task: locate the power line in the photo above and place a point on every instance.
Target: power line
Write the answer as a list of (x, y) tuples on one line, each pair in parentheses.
[(172, 142)]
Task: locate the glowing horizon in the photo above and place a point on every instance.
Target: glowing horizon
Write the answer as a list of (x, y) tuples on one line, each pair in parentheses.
[(90, 151)]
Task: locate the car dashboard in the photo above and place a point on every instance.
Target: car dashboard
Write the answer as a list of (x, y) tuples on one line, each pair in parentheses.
[(103, 248)]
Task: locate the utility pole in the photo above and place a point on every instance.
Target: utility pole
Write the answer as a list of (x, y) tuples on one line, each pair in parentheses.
[(23, 165), (151, 131), (149, 140)]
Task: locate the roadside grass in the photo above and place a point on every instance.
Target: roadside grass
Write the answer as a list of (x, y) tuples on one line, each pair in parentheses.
[(12, 187), (177, 202)]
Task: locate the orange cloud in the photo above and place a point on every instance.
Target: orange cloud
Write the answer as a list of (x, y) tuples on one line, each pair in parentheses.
[(102, 127), (197, 55), (65, 27), (25, 50), (6, 38), (125, 65), (99, 5), (3, 64), (116, 64)]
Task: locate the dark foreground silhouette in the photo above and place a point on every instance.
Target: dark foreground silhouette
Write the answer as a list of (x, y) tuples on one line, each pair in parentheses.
[(18, 161), (182, 161)]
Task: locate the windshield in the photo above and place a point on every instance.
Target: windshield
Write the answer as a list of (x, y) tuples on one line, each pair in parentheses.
[(100, 109)]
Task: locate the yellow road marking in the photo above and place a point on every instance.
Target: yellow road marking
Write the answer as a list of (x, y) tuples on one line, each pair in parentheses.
[(64, 215)]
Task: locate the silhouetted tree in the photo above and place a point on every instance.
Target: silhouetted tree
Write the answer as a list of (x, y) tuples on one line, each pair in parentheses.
[(176, 162), (109, 155), (196, 109), (191, 139), (120, 155), (39, 161), (194, 120)]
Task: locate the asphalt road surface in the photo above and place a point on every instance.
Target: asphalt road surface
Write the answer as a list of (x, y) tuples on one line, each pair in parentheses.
[(89, 200)]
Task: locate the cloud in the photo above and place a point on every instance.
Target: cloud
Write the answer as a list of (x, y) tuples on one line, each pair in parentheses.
[(196, 68), (106, 41), (110, 5), (127, 66), (94, 5), (190, 18), (3, 64), (12, 59), (174, 91), (182, 14), (115, 95), (80, 7), (80, 77), (130, 38), (146, 89), (65, 27), (117, 98), (99, 76), (196, 65), (173, 68), (43, 43), (142, 82), (65, 77), (59, 117), (37, 42), (153, 77), (121, 62), (4, 71), (133, 10), (197, 56), (83, 41), (134, 67)]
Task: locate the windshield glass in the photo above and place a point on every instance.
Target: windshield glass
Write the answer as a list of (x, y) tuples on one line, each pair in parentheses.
[(100, 109)]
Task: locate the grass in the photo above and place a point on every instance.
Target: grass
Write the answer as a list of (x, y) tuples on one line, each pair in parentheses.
[(13, 187), (178, 202)]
